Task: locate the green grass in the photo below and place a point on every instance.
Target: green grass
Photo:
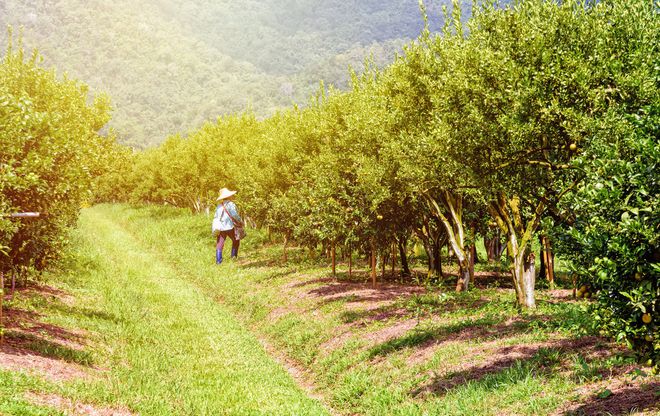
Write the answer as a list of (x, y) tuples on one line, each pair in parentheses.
[(177, 333), (169, 347), (13, 386)]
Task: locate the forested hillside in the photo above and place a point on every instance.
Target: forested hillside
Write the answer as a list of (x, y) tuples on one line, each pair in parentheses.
[(170, 65)]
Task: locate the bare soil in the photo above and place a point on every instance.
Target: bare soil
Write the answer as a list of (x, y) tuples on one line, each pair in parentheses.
[(615, 396)]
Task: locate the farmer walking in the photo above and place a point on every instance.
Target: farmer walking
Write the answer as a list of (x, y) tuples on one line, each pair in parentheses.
[(227, 224)]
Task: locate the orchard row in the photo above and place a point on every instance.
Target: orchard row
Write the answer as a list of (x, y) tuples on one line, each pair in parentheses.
[(536, 118), (50, 151)]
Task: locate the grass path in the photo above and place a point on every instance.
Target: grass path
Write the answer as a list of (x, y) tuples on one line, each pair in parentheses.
[(174, 350)]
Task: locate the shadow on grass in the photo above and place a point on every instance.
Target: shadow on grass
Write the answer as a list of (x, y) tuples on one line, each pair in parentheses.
[(482, 329), (84, 312), (361, 292), (59, 301), (383, 313), (622, 402), (25, 343), (408, 304), (314, 281), (426, 337), (276, 275), (510, 364), (26, 333), (28, 323), (257, 263)]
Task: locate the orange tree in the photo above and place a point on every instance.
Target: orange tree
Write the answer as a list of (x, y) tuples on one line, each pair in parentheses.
[(342, 187), (270, 179), (609, 223), (51, 150), (112, 183), (187, 172), (612, 242), (437, 183), (514, 111)]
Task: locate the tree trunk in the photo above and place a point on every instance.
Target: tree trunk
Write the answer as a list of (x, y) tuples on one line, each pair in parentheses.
[(405, 269), (507, 213), (430, 256), (437, 264), (473, 258), (425, 235), (547, 268), (197, 204), (542, 258), (489, 244), (350, 261), (463, 282), (475, 255), (551, 266), (334, 260), (450, 252), (524, 272), (393, 259), (373, 266), (499, 249), (286, 241), (494, 247), (452, 219), (2, 297)]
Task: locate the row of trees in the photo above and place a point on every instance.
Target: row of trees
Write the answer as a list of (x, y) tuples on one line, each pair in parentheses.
[(535, 116), (50, 152)]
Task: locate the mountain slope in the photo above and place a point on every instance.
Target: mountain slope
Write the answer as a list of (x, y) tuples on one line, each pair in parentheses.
[(169, 65)]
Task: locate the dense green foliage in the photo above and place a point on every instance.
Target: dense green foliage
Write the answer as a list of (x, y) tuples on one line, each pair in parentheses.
[(468, 121), (615, 248), (51, 151), (170, 65), (611, 220)]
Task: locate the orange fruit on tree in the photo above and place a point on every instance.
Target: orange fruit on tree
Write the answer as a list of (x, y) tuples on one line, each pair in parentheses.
[(646, 318)]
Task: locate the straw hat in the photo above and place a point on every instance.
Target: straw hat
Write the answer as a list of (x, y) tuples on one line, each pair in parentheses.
[(225, 193)]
